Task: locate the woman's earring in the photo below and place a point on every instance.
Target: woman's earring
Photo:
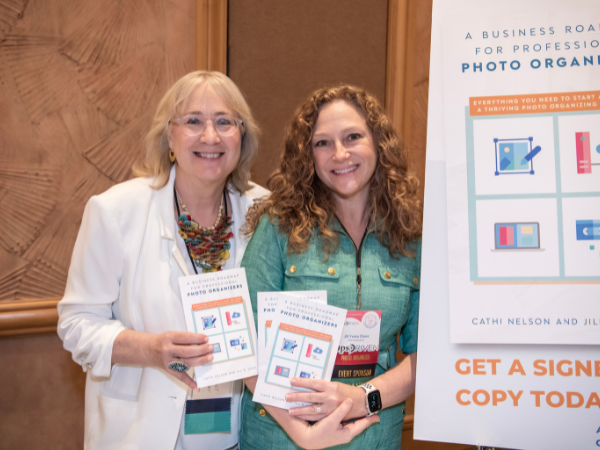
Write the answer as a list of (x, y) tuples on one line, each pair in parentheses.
[(171, 155)]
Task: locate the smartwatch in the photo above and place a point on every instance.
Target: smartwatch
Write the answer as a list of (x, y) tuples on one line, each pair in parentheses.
[(372, 398)]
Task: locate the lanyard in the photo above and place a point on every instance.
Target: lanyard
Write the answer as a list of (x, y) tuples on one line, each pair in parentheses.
[(358, 260)]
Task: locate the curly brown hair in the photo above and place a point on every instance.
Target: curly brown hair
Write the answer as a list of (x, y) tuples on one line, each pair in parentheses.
[(300, 203)]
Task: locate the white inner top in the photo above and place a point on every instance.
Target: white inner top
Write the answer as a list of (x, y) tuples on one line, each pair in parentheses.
[(212, 441)]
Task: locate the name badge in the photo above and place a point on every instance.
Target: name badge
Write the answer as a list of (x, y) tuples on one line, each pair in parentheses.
[(359, 348)]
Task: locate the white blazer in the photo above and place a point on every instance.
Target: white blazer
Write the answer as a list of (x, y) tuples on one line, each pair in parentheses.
[(123, 275)]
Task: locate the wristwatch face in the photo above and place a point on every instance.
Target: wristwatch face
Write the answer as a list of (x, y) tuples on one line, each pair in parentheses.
[(374, 401)]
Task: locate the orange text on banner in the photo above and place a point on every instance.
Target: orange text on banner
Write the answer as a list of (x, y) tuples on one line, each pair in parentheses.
[(217, 303), (305, 332), (534, 103)]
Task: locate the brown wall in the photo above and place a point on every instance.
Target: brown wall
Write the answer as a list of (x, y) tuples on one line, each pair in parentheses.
[(41, 395), (79, 83), (417, 83), (280, 51)]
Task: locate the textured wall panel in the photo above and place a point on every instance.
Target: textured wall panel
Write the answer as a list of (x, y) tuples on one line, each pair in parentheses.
[(79, 84)]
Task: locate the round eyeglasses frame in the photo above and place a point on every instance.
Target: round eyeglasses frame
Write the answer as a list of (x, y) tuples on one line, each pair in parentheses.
[(192, 130)]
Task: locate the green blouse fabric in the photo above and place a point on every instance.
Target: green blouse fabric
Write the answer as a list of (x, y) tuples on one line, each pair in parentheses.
[(388, 284)]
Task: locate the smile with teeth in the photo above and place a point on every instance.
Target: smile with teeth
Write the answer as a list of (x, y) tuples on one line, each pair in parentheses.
[(345, 171), (208, 155)]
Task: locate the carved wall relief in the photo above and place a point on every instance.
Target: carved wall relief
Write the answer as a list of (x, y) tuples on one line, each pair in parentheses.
[(79, 83)]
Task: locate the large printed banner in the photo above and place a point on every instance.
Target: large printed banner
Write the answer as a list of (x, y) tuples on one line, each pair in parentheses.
[(522, 138), (526, 396)]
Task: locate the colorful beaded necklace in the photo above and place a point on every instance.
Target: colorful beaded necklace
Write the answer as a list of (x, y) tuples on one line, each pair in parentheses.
[(208, 247)]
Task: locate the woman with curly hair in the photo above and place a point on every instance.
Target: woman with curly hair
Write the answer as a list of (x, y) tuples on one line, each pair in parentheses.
[(343, 216)]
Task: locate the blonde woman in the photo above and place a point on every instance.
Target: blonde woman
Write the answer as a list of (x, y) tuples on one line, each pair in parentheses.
[(121, 315)]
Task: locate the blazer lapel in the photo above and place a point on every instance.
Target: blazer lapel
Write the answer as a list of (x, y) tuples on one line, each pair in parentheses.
[(239, 207), (165, 209), (179, 259)]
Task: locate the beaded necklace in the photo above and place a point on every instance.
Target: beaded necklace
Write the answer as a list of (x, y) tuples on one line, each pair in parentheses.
[(208, 248)]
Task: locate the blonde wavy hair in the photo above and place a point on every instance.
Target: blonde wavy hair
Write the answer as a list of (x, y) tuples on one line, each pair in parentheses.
[(300, 203), (172, 105)]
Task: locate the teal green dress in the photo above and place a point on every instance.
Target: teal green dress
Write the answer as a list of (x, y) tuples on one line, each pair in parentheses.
[(267, 265)]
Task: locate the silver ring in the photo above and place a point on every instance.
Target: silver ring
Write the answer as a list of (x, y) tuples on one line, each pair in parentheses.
[(319, 409), (178, 366)]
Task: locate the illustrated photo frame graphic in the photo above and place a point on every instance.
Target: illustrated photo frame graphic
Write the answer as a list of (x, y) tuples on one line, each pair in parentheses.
[(515, 156), (209, 322), (288, 345)]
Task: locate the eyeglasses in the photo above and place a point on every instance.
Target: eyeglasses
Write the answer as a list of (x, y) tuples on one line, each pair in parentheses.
[(193, 125)]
